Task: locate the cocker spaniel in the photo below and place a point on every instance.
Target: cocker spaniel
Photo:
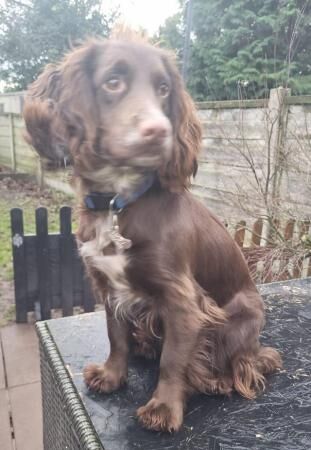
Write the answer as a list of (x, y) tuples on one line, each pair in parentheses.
[(174, 283)]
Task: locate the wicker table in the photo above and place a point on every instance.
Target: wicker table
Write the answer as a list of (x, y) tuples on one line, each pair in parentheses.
[(77, 419)]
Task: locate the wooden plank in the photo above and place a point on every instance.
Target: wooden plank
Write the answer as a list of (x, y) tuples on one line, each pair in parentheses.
[(232, 148), (43, 262), (240, 233), (19, 264), (23, 147), (4, 141), (4, 120), (216, 196), (298, 134), (66, 260), (304, 227), (300, 114), (21, 354), (256, 232), (19, 121), (289, 230), (298, 100), (5, 159), (27, 416), (229, 104), (24, 156), (28, 166), (5, 427), (4, 130), (234, 130), (297, 270), (250, 115), (12, 143)]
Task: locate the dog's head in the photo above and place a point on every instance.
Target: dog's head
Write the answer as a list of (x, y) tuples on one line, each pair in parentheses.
[(116, 102)]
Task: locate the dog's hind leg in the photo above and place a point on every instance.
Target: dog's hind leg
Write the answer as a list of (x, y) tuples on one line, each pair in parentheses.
[(242, 352), (231, 357)]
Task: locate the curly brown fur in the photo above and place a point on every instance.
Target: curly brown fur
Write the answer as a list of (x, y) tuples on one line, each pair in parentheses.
[(182, 291)]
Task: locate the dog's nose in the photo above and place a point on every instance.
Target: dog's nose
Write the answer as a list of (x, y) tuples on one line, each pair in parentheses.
[(154, 130)]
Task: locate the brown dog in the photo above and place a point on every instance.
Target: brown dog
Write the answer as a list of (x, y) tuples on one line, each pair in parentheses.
[(173, 281)]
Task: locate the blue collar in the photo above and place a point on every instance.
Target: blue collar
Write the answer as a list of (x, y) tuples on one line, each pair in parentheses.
[(102, 201)]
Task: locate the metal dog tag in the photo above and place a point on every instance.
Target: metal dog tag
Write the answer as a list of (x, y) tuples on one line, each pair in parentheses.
[(119, 241)]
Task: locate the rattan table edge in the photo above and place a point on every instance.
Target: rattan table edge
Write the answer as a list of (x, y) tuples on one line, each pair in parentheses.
[(81, 421)]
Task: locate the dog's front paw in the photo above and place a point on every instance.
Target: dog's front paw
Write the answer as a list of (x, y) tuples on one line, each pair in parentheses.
[(160, 416), (103, 378)]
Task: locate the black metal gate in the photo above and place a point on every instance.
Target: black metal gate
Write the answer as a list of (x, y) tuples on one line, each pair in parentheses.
[(48, 272)]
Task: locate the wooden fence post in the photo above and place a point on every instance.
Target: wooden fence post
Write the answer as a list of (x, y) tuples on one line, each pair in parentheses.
[(40, 173), (12, 142), (277, 114), (239, 234)]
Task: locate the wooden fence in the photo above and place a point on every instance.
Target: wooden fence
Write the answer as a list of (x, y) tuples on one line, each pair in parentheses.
[(234, 133), (285, 260), (49, 274), (252, 141)]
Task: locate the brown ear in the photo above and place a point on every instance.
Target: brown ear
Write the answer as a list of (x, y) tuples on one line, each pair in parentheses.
[(187, 133), (44, 131), (59, 104), (77, 104)]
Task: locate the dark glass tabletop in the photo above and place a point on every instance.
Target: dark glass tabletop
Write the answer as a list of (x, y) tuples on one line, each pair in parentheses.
[(279, 419)]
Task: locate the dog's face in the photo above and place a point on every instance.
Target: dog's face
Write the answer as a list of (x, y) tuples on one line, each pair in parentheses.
[(133, 89), (119, 103)]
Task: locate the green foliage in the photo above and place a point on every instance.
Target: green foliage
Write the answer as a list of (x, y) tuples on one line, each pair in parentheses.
[(246, 47), (171, 34), (34, 33)]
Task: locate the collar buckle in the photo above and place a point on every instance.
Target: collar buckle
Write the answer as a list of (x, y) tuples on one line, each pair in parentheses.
[(100, 201), (113, 205)]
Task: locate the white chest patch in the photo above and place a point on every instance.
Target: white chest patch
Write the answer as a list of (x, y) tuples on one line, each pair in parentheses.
[(112, 266)]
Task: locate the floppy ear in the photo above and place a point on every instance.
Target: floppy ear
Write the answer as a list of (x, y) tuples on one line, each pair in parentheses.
[(43, 129), (60, 109), (187, 133)]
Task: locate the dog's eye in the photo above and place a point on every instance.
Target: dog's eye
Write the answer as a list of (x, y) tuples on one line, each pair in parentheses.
[(114, 84), (163, 90)]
